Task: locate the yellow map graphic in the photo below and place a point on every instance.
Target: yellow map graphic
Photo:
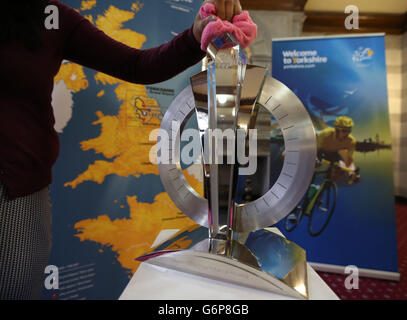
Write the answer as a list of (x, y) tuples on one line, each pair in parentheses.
[(87, 4), (124, 142), (73, 76), (130, 238)]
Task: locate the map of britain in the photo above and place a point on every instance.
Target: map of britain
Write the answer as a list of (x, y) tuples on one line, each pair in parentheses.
[(122, 145)]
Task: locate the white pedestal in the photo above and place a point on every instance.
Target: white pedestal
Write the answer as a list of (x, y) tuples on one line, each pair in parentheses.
[(156, 283)]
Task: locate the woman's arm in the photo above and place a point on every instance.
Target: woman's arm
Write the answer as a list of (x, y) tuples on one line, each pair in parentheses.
[(90, 47)]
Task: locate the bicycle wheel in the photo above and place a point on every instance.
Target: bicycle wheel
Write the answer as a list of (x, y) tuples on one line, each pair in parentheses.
[(323, 209), (293, 219)]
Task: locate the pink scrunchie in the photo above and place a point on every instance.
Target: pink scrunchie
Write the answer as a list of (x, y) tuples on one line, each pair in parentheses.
[(243, 28)]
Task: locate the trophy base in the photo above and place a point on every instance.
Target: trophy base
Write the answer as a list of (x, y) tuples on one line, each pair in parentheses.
[(260, 259)]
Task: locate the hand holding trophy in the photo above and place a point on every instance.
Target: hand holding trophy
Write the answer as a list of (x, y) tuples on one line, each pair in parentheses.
[(234, 103)]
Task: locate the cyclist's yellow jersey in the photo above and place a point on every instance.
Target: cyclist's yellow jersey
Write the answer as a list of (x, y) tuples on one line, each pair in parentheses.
[(328, 141)]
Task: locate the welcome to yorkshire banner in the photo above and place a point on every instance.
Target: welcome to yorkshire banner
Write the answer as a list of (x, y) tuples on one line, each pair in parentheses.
[(348, 215)]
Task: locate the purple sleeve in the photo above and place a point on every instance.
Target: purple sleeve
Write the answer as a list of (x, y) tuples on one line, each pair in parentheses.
[(92, 48)]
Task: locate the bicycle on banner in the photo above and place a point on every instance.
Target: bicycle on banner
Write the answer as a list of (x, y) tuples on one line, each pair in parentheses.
[(319, 202)]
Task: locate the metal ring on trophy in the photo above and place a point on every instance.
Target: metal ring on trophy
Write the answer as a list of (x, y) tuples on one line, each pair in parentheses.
[(182, 194), (287, 191)]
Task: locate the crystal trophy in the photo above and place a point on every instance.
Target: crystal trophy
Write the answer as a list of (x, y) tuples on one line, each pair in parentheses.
[(234, 103)]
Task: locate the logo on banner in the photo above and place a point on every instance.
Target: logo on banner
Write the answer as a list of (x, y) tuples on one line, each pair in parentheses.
[(294, 59), (363, 56)]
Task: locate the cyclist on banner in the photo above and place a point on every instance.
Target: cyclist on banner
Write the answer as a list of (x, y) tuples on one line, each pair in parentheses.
[(335, 148), (337, 145)]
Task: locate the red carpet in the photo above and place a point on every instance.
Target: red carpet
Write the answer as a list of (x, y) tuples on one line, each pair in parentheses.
[(373, 289)]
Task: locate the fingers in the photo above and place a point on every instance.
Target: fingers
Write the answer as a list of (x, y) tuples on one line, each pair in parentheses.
[(229, 9), (237, 8), (220, 8), (226, 9), (200, 25), (206, 21)]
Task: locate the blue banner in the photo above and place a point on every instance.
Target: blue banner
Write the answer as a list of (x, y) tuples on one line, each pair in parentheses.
[(347, 216)]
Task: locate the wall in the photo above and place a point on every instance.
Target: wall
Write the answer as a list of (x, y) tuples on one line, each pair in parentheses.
[(273, 24), (397, 108), (399, 121), (388, 6)]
